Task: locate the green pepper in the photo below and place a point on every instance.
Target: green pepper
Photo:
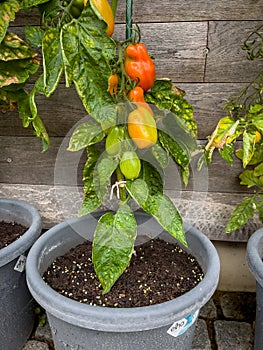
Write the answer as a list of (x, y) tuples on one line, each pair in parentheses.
[(114, 140), (130, 165)]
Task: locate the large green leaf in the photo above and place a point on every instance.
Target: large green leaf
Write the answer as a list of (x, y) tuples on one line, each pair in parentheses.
[(160, 207), (84, 135), (8, 10), (52, 60), (160, 155), (14, 48), (86, 55), (249, 179), (152, 178), (90, 201), (113, 245), (105, 167), (227, 153), (241, 214), (34, 36)]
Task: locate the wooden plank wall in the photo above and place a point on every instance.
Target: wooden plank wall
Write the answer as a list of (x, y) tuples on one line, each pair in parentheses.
[(195, 43)]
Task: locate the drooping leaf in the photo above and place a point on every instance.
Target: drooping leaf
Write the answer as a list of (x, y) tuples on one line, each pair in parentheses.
[(166, 96), (160, 155), (152, 178), (8, 9), (86, 55), (91, 200), (113, 245), (104, 169), (248, 147), (14, 48), (226, 132), (84, 135), (160, 207), (241, 214), (34, 36), (52, 60)]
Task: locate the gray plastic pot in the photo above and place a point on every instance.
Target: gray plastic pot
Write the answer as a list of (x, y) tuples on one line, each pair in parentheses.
[(255, 264), (80, 326), (16, 303)]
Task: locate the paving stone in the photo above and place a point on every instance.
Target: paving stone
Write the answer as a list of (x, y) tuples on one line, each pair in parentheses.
[(209, 310), (238, 306), (43, 333), (201, 338), (35, 345), (233, 335)]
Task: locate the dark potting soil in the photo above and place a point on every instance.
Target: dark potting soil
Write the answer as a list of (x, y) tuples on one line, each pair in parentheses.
[(158, 272), (9, 232)]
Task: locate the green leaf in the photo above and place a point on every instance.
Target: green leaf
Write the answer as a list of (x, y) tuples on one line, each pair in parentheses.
[(248, 147), (227, 153), (249, 179), (34, 36), (258, 171), (26, 4), (259, 205), (90, 201), (138, 189), (258, 122), (14, 48), (105, 167), (166, 96), (160, 155), (161, 208), (241, 214), (152, 178), (84, 135), (87, 52), (8, 10), (113, 245), (52, 60)]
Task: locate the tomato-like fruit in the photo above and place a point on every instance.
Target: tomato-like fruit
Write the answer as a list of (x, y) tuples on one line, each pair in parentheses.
[(137, 95), (114, 140), (139, 66), (257, 136), (76, 8), (130, 165), (142, 128)]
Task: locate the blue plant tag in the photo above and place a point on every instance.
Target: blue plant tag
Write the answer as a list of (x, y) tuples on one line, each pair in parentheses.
[(181, 326)]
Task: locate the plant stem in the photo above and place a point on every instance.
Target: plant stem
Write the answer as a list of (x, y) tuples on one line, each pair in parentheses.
[(120, 177), (114, 4), (128, 19)]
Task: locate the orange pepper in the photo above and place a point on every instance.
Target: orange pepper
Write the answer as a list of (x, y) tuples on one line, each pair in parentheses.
[(137, 95)]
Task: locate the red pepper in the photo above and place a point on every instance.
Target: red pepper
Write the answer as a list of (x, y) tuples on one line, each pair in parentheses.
[(139, 66), (113, 84)]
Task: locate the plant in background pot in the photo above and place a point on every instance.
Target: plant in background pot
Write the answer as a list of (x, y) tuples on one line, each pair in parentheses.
[(245, 122), (16, 303), (137, 123)]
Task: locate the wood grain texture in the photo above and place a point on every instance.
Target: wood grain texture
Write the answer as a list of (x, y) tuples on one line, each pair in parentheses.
[(176, 10), (226, 61), (21, 161), (64, 109), (209, 212)]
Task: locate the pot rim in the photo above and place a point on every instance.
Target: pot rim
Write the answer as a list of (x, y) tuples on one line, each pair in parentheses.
[(254, 255), (33, 221), (119, 319)]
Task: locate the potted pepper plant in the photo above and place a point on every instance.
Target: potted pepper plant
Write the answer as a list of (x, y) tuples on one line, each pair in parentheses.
[(245, 123), (137, 123)]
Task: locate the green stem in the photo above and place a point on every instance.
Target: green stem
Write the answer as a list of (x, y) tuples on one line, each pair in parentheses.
[(120, 177), (128, 19), (114, 4)]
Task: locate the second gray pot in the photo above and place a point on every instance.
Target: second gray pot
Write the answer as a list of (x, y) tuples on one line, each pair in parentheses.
[(79, 326)]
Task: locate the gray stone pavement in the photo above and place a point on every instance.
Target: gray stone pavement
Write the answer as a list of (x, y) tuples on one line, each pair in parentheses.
[(226, 322)]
